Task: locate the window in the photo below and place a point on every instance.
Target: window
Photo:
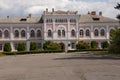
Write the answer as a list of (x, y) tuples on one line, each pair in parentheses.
[(111, 32), (59, 32), (38, 33), (6, 34), (23, 33), (73, 45), (0, 46), (87, 32), (73, 33), (96, 32), (102, 32), (32, 33), (16, 33), (49, 33), (0, 34), (81, 33), (63, 33)]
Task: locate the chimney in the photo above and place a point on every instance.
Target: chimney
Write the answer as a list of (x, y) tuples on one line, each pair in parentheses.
[(29, 15), (52, 9), (7, 17), (46, 9), (93, 13), (100, 13)]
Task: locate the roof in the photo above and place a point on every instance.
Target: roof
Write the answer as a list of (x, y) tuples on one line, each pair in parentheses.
[(20, 20), (95, 18), (61, 12)]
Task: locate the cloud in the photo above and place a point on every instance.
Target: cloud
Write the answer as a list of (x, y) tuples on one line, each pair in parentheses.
[(36, 7)]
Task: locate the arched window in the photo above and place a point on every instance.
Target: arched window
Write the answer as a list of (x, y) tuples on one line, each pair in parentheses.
[(73, 33), (87, 32), (49, 33), (59, 32), (111, 30), (0, 34), (81, 33), (23, 33), (32, 33), (96, 32), (16, 33), (102, 32), (63, 33), (38, 33), (6, 34)]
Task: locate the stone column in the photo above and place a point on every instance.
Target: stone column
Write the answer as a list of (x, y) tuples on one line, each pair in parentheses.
[(11, 38), (28, 39)]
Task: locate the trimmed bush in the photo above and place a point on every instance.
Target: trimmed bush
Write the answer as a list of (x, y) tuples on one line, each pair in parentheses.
[(94, 44), (21, 47), (7, 47), (105, 44), (82, 45), (51, 46), (33, 46)]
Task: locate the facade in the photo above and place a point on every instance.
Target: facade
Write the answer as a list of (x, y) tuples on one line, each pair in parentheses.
[(64, 27)]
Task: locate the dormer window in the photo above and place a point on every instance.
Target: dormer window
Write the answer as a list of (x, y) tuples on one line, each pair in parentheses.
[(23, 19), (96, 19)]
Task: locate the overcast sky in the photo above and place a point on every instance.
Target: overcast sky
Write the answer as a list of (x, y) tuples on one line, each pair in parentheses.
[(14, 8)]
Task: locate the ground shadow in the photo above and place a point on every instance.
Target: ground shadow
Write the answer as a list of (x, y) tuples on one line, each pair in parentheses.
[(93, 57)]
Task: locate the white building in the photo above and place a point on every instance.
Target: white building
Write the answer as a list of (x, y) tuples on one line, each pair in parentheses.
[(64, 27)]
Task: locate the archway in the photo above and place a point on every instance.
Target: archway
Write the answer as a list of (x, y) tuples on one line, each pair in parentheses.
[(62, 46)]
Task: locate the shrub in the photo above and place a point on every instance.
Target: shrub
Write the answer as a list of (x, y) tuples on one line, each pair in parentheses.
[(51, 46), (105, 44), (82, 45), (21, 47), (7, 47), (33, 46), (94, 44)]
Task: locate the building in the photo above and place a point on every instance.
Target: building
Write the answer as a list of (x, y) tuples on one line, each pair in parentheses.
[(64, 27)]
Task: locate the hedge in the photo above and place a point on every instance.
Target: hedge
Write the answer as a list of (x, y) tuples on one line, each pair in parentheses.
[(80, 50), (31, 52)]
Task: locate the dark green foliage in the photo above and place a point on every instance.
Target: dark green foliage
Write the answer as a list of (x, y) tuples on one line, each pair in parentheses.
[(105, 44), (82, 45), (115, 41), (45, 45), (21, 47), (94, 44), (33, 46), (31, 52), (7, 47), (51, 46)]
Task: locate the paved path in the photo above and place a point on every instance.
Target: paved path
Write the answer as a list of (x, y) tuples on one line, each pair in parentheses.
[(59, 67)]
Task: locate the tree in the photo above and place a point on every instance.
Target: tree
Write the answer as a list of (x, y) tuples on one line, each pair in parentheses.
[(105, 44), (21, 47), (82, 45), (115, 41), (118, 8), (33, 46), (94, 44), (7, 47)]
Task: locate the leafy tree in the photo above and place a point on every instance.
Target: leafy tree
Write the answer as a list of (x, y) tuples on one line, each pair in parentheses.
[(105, 44), (118, 8), (7, 47), (33, 46), (94, 44), (21, 47), (48, 45), (82, 45), (115, 41)]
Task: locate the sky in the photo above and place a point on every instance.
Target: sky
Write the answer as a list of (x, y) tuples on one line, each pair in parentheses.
[(15, 8)]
